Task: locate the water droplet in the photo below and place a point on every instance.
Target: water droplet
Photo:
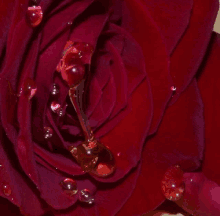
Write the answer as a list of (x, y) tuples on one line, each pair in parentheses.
[(172, 183), (6, 190), (69, 186), (1, 165), (70, 23), (55, 90), (119, 154), (34, 15), (86, 196), (60, 112), (48, 132), (88, 154), (29, 88), (173, 88), (56, 108)]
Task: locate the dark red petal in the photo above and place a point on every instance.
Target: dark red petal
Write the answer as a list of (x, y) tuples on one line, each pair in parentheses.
[(24, 145), (120, 78), (106, 104), (169, 147), (44, 84), (54, 26), (57, 161), (51, 190), (129, 134), (188, 55), (23, 191), (139, 23), (172, 18), (210, 91)]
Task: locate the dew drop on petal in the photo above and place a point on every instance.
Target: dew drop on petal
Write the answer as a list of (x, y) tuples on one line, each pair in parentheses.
[(119, 154), (69, 186), (29, 88), (60, 112), (172, 183), (86, 196), (173, 88), (34, 15), (55, 107), (48, 132), (55, 90), (6, 190)]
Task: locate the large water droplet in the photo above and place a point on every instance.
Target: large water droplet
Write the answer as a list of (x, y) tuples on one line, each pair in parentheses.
[(69, 186), (94, 157), (172, 183), (86, 196), (34, 15)]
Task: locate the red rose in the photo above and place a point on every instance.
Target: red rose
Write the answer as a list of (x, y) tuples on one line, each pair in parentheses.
[(149, 99)]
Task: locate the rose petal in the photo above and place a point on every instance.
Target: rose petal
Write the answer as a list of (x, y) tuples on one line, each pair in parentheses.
[(170, 146), (55, 25), (209, 87), (58, 161), (128, 136), (172, 17), (139, 23), (201, 195), (189, 54)]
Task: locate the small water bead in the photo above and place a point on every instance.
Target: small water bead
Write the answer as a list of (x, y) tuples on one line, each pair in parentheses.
[(69, 186), (56, 108), (119, 154), (55, 90), (29, 88), (48, 132), (172, 183), (6, 190), (60, 112), (34, 15), (70, 23), (173, 88), (86, 196)]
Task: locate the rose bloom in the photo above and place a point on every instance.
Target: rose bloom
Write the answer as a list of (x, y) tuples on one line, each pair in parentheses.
[(152, 98)]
